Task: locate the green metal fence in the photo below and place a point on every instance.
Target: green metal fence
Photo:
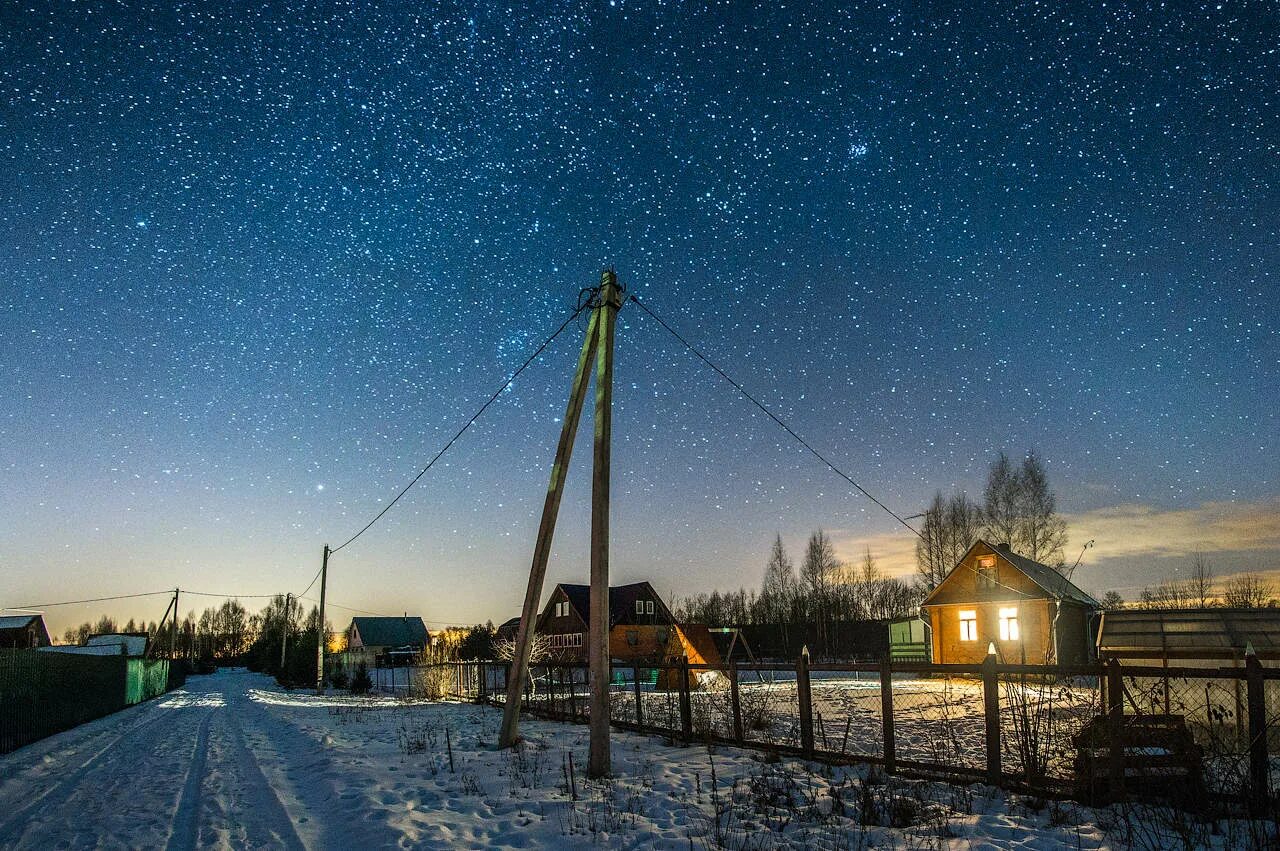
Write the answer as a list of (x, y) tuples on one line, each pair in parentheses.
[(43, 693)]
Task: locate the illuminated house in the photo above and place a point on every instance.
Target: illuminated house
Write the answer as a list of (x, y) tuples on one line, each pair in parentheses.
[(641, 627), (1031, 612)]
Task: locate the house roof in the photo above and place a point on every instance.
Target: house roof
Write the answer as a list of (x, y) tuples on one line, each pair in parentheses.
[(1206, 630), (622, 600), (1053, 583), (17, 621), (391, 632), (134, 643)]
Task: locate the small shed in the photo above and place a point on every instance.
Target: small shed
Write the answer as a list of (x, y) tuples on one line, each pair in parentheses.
[(23, 632), (1199, 637), (908, 640)]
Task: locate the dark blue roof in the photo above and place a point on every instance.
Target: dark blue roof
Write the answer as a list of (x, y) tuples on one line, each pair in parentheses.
[(391, 632)]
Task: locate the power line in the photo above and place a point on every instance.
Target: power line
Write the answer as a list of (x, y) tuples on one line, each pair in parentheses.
[(231, 596), (94, 600), (309, 584), (545, 343), (841, 473)]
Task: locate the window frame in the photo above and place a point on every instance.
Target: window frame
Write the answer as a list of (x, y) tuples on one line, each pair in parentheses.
[(1010, 629), (968, 624)]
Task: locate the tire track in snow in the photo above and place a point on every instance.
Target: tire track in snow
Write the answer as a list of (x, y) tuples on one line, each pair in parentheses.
[(262, 800), (185, 832)]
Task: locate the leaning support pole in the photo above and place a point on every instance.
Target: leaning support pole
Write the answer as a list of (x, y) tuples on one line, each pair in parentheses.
[(320, 636), (519, 671), (598, 646)]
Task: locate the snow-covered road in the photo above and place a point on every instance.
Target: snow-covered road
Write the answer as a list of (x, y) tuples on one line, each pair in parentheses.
[(233, 761), (189, 769)]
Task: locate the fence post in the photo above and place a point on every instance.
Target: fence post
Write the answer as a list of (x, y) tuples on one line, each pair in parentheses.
[(805, 698), (991, 713), (735, 701), (1258, 762), (635, 671), (1115, 728), (886, 714), (686, 702)]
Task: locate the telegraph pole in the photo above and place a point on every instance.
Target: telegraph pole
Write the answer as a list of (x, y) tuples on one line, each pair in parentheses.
[(598, 648), (320, 636), (597, 346), (173, 628), (284, 629)]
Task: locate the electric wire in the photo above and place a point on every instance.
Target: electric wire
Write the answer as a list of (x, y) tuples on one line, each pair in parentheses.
[(545, 343), (94, 600), (788, 429)]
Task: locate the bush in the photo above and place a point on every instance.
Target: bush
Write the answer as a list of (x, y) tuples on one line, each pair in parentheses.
[(338, 677), (360, 682)]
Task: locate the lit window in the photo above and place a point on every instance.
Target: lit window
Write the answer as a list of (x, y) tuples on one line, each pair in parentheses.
[(969, 626), (648, 607), (1008, 624), (986, 572)]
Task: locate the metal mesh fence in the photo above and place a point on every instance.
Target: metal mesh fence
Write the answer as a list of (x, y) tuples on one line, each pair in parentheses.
[(1188, 731)]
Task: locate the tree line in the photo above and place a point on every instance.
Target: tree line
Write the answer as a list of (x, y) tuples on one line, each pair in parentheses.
[(229, 634)]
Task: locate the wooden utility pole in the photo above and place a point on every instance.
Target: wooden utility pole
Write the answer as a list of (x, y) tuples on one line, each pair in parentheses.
[(598, 648), (173, 628), (598, 345), (284, 629), (320, 636)]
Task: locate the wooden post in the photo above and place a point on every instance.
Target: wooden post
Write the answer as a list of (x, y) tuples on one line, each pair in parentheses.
[(173, 629), (284, 630), (1258, 761), (686, 702), (639, 698), (991, 712), (518, 671), (805, 698), (736, 701), (598, 645), (886, 715), (320, 636), (1115, 729)]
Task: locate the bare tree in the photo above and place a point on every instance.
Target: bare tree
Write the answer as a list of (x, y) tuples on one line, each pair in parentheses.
[(779, 584), (1246, 591), (1202, 578), (539, 650), (1112, 601), (1170, 594), (950, 527), (1020, 509), (819, 572)]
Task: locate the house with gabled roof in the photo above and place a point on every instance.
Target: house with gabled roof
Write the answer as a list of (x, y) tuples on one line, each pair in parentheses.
[(1029, 611), (371, 639), (23, 632), (642, 629)]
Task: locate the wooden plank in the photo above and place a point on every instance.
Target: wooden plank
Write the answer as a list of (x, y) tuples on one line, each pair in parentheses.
[(804, 697), (519, 670), (890, 748)]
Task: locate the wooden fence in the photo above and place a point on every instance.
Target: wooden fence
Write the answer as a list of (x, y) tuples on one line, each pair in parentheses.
[(1096, 732)]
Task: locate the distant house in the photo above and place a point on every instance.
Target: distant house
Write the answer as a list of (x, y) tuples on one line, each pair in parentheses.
[(372, 639), (130, 644), (23, 632), (1029, 611), (1202, 637), (642, 629)]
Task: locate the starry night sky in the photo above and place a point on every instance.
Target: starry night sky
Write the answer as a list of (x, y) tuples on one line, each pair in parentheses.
[(257, 265)]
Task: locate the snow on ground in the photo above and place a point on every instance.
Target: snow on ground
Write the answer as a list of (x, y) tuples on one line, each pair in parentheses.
[(234, 761)]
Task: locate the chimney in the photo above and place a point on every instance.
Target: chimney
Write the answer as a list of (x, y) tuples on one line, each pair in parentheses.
[(1003, 546)]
